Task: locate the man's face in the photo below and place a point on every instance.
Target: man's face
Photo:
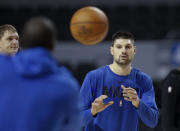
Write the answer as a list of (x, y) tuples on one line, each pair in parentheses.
[(123, 51), (9, 43)]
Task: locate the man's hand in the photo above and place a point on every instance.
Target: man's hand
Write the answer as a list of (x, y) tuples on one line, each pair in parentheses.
[(98, 105), (130, 94)]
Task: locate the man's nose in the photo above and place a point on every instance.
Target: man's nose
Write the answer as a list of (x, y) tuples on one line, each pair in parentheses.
[(124, 50), (15, 41)]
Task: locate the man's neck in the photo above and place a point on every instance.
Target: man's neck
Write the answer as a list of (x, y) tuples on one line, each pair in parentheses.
[(120, 69)]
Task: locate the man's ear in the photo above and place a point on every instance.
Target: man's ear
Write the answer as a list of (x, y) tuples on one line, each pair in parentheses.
[(0, 45), (111, 50), (134, 49)]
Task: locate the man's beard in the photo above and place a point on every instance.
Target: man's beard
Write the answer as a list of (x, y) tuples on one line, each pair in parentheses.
[(123, 62)]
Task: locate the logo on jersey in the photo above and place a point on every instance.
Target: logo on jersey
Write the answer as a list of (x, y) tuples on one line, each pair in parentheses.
[(169, 89), (113, 92)]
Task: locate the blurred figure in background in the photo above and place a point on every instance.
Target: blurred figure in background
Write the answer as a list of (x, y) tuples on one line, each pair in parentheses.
[(171, 101), (35, 94), (9, 39), (115, 97), (170, 97)]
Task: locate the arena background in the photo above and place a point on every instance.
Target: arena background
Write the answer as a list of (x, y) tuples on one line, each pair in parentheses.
[(154, 23)]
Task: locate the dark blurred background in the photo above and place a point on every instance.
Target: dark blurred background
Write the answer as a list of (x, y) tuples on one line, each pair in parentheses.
[(155, 25)]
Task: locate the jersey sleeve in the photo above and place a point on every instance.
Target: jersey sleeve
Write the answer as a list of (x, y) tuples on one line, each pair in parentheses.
[(147, 110), (169, 103), (86, 94)]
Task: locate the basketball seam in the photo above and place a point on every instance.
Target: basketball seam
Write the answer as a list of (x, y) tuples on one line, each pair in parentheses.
[(97, 38), (87, 22)]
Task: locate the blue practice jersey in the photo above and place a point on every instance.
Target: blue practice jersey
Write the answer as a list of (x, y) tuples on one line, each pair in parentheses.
[(36, 94), (122, 115)]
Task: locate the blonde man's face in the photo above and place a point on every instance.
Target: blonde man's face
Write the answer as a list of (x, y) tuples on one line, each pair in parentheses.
[(9, 43)]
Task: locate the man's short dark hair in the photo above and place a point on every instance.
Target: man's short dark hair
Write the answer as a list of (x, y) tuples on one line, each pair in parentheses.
[(39, 32), (122, 35), (6, 27)]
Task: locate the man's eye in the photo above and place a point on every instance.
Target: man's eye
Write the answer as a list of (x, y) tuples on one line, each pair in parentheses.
[(10, 38), (128, 47)]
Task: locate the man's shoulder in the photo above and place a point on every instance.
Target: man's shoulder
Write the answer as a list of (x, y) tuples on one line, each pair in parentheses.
[(174, 73), (173, 76), (141, 75), (98, 71), (62, 87), (4, 58), (6, 63), (64, 77)]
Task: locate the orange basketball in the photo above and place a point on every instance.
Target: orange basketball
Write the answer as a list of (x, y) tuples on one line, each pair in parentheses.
[(89, 25)]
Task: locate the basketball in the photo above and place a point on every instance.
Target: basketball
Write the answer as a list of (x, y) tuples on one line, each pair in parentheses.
[(89, 25)]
